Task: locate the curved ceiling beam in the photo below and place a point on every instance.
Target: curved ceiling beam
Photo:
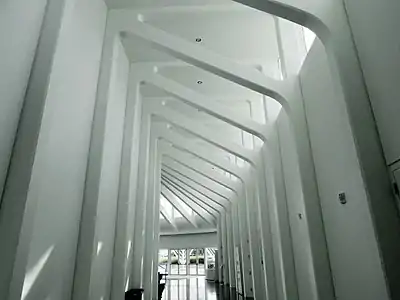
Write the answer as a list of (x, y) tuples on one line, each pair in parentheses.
[(202, 132), (185, 159), (201, 152), (204, 213), (205, 59), (198, 189), (308, 13), (213, 208), (171, 198), (201, 102), (203, 188), (198, 178), (168, 218)]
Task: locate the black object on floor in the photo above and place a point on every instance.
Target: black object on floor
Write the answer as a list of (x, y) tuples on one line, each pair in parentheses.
[(134, 294), (161, 286)]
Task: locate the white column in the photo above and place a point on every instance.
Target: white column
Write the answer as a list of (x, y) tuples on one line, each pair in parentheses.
[(17, 213), (231, 249), (292, 50), (156, 246), (282, 236), (269, 231), (87, 245), (219, 260), (255, 242), (148, 257), (126, 199), (235, 240), (248, 282), (187, 262), (169, 262), (141, 202), (224, 250)]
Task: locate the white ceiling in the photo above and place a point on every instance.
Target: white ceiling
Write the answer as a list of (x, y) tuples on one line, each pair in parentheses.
[(212, 86), (245, 36)]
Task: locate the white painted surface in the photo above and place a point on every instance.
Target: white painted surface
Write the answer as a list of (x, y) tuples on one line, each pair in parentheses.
[(375, 28), (297, 217), (180, 241), (352, 243), (20, 25), (63, 151), (133, 188), (101, 271), (327, 171)]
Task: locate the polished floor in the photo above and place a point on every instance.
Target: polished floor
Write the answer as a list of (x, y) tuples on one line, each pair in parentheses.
[(194, 288)]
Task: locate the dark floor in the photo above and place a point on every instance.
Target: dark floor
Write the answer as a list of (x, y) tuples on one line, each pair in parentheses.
[(195, 288)]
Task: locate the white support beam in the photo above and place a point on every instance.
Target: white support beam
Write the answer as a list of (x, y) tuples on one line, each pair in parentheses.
[(168, 217), (194, 191), (201, 188), (252, 223), (126, 199), (329, 20), (308, 179), (200, 179), (187, 194), (141, 202), (205, 203), (199, 210), (173, 200), (152, 201), (309, 13), (202, 132), (210, 107), (197, 187), (225, 249), (204, 59), (196, 165), (202, 153), (17, 212)]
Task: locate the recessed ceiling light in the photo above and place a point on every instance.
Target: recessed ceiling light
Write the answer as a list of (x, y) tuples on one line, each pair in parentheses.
[(199, 40), (199, 82)]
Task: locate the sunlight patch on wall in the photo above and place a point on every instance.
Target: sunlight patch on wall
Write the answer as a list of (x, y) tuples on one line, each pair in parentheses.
[(127, 284), (309, 38), (128, 252), (99, 247), (33, 273)]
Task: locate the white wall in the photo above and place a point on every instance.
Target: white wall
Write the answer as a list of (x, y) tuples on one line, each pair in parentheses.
[(109, 181), (375, 29), (62, 153), (179, 241), (20, 24), (353, 249)]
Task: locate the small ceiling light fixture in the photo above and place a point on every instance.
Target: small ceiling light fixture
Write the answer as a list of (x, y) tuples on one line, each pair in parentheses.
[(199, 82), (199, 40)]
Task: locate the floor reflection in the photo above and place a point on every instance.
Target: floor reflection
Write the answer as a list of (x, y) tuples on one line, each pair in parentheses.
[(194, 288)]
